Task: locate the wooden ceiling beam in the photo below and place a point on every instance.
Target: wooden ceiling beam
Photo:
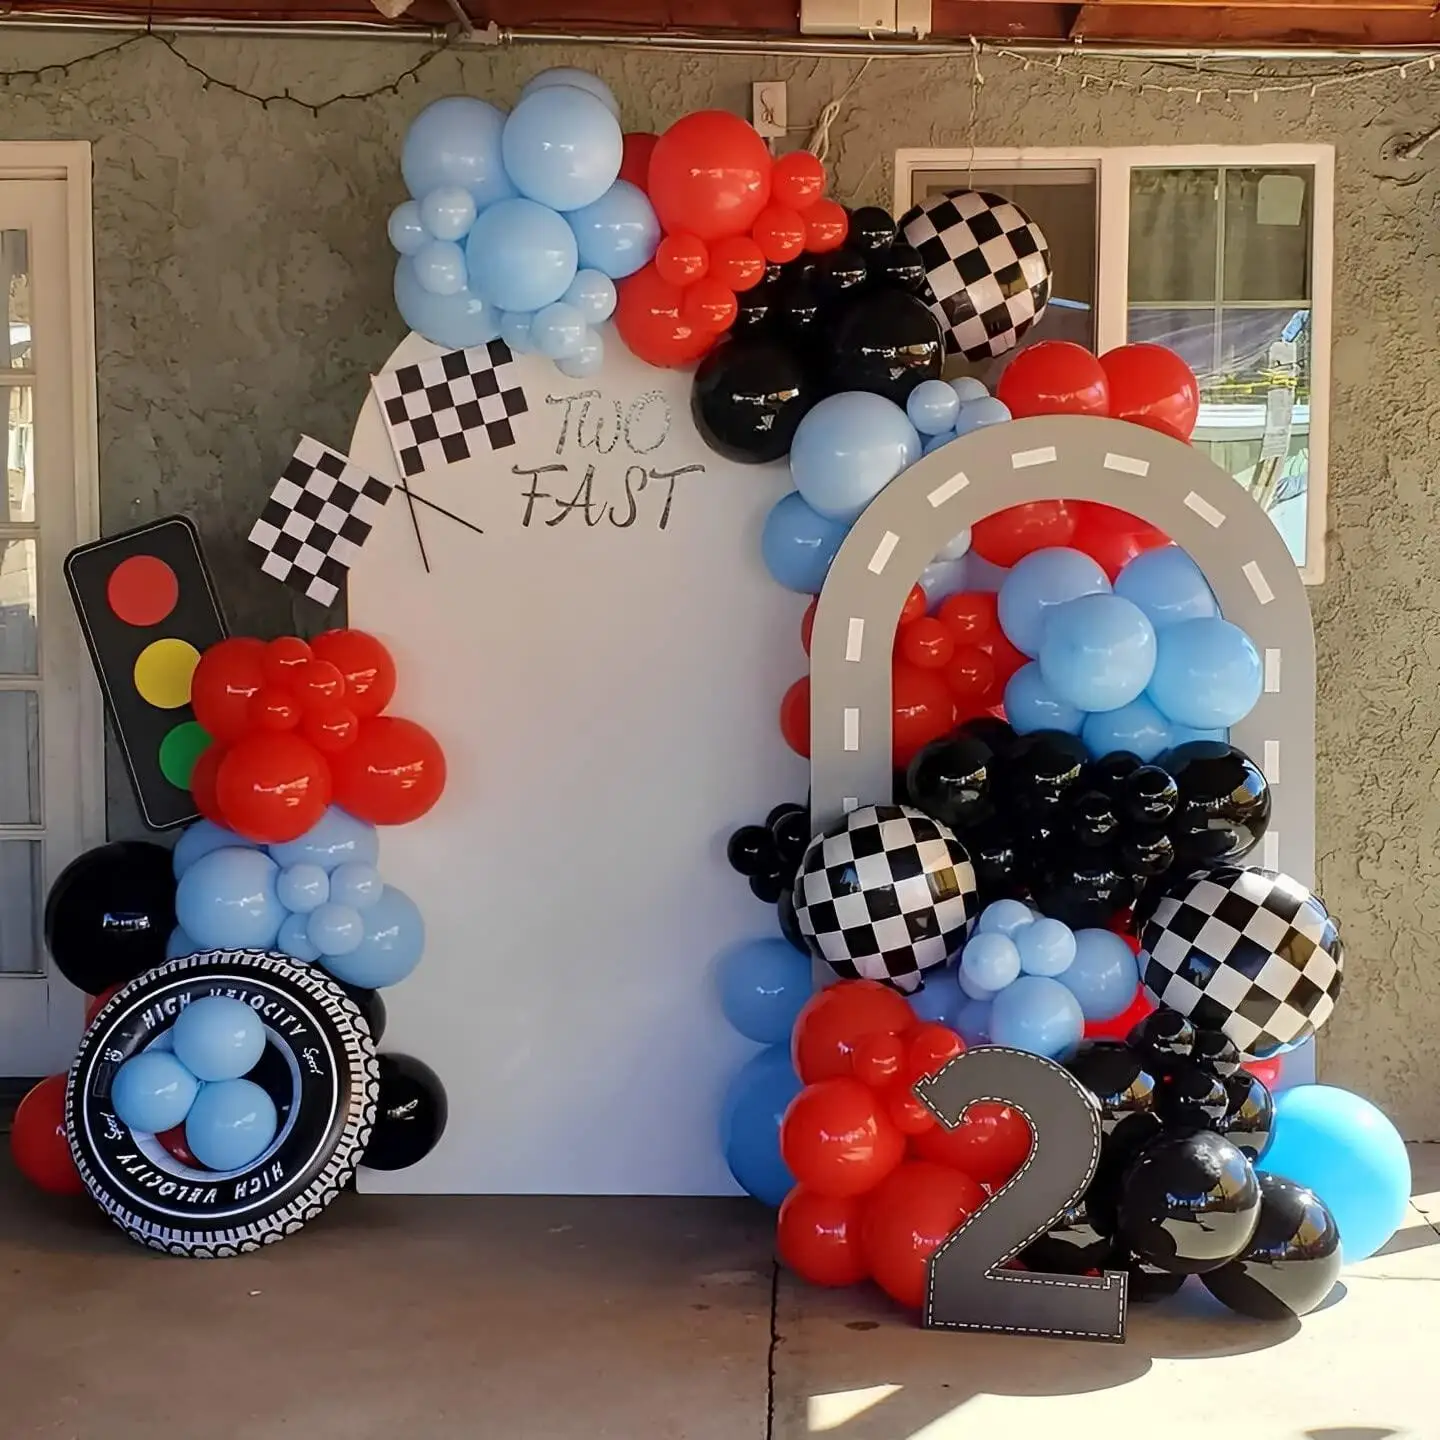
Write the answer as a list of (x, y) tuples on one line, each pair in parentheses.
[(1237, 28)]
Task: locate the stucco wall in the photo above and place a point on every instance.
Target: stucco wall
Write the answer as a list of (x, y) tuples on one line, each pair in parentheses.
[(243, 286)]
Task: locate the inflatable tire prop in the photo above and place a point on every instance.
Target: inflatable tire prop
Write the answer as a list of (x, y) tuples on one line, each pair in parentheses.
[(319, 1066)]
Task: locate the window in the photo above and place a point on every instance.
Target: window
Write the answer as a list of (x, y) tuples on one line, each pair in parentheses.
[(1221, 253)]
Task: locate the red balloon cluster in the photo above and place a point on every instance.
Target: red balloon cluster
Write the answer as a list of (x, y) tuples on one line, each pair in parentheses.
[(879, 1183), (296, 726), (727, 209)]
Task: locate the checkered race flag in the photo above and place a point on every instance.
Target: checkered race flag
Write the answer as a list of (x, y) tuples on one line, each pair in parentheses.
[(445, 410), (317, 517)]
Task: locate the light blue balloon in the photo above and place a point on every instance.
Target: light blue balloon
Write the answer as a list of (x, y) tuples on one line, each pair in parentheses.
[(1038, 584), (847, 449), (1137, 727), (152, 1092), (406, 229), (294, 941), (941, 578), (990, 961), (335, 930), (1037, 1014), (1344, 1149), (302, 887), (230, 1125), (956, 548), (798, 545), (932, 407), (1168, 586), (356, 885), (592, 293), (1103, 976), (980, 574), (580, 79), (455, 322), (218, 1038), (439, 267), (456, 141), (1004, 917), (180, 944), (935, 442), (1098, 652), (968, 388), (226, 900), (972, 1021), (521, 255), (587, 360), (969, 988), (562, 147), (617, 235), (393, 943), (558, 331), (164, 1043), (200, 839), (939, 997), (447, 212), (1183, 734), (763, 985), (336, 838), (977, 414), (515, 330), (1030, 704), (1208, 673), (750, 1124), (1046, 948)]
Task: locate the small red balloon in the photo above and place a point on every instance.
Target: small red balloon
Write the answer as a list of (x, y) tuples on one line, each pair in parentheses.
[(393, 773), (709, 174), (1151, 385), (798, 179), (833, 1022), (910, 1114), (273, 787), (1268, 1072), (973, 677), (922, 710), (366, 665), (989, 1145), (1054, 377), (908, 1218), (679, 259), (174, 1143), (737, 262), (837, 1139), (635, 158), (925, 643), (1119, 1026), (807, 623), (202, 783), (1009, 535), (972, 616), (818, 1237), (709, 305), (826, 226), (274, 709), (283, 657), (228, 674), (795, 717), (39, 1143), (316, 683), (649, 319), (780, 233), (879, 1059), (916, 603), (330, 728), (929, 1048)]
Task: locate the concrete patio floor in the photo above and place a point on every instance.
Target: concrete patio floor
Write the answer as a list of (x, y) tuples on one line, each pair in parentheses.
[(565, 1319)]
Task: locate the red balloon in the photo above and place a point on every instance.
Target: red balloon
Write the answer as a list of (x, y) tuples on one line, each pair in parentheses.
[(837, 1140), (798, 179), (1151, 385), (834, 1021), (878, 1060), (202, 783), (272, 787), (392, 774), (229, 673), (818, 1237), (174, 1143), (679, 259), (807, 623), (1010, 535), (923, 710), (330, 728), (910, 1114), (1054, 377), (929, 1048), (826, 226), (989, 1145), (709, 305), (1111, 537), (366, 665), (283, 656), (1119, 1026), (635, 158), (908, 1219), (973, 678), (972, 616), (649, 319), (94, 1004), (1006, 657), (38, 1140), (795, 717), (316, 683), (1268, 1072), (925, 643), (274, 709), (916, 603), (780, 233), (738, 262), (710, 175)]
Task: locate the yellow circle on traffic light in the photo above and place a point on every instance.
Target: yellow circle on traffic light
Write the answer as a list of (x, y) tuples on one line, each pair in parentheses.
[(163, 673)]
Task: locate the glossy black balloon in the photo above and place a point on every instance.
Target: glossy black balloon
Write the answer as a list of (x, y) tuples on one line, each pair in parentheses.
[(841, 270), (790, 834), (754, 312), (798, 311), (1117, 1077), (885, 342), (952, 780), (1147, 852), (751, 851), (995, 732), (371, 1005), (789, 921), (1041, 769), (272, 1073), (109, 914), (899, 266), (410, 1117), (871, 229), (769, 888), (1216, 1051), (1119, 1149), (1149, 795), (1085, 889), (778, 812), (1190, 1096), (1148, 1283), (1250, 1118), (748, 398), (1164, 1035), (1094, 818), (1110, 772), (998, 859), (1189, 1203), (1073, 1246), (1224, 802), (1291, 1263)]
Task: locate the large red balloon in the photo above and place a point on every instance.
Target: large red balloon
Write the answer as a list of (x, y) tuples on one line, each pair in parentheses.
[(818, 1237), (989, 1145), (649, 314), (1010, 535), (798, 179), (272, 787), (38, 1140), (923, 710), (908, 1219), (366, 665), (1151, 385), (392, 774), (203, 776), (229, 673), (837, 1139), (925, 643), (635, 161), (1054, 377), (1111, 537), (710, 175), (833, 1021)]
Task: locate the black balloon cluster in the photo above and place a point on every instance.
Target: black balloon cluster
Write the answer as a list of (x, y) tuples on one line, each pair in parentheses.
[(769, 856), (1176, 1192), (851, 319)]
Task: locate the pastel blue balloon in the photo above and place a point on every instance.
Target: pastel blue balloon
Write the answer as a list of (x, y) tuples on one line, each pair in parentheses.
[(969, 988), (356, 885), (456, 141), (226, 900), (980, 574), (1103, 976), (447, 212), (750, 1124), (153, 1092), (200, 839), (935, 442), (972, 1021), (990, 961), (1168, 586), (580, 79), (336, 838), (294, 940), (1098, 652), (439, 267), (406, 229), (562, 147), (1344, 1149), (763, 985), (558, 331), (1137, 727), (180, 944), (1038, 1014), (164, 1043), (302, 887), (617, 235), (1004, 917), (587, 360), (1038, 584), (592, 293), (932, 407), (977, 414), (393, 942), (1030, 704), (1046, 948), (218, 1038), (956, 548), (521, 255), (335, 929), (1183, 734), (452, 321), (797, 544), (967, 388), (939, 997), (847, 449), (941, 578), (230, 1125), (1208, 673)]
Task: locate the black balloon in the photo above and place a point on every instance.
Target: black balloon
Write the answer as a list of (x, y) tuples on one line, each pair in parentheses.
[(1292, 1261), (1149, 795), (871, 229), (109, 914), (790, 834), (1216, 1051), (371, 1006), (994, 732), (1073, 1246), (886, 342), (998, 858), (1163, 1034), (839, 271), (1149, 1283), (1250, 1116), (1041, 769), (1085, 889), (751, 851), (1117, 1077), (1189, 1203), (1110, 772), (1147, 852), (1224, 802), (769, 888), (1190, 1095), (952, 780), (798, 310), (1118, 1151), (1094, 818), (411, 1114), (748, 398), (755, 309), (272, 1073), (789, 921), (900, 266)]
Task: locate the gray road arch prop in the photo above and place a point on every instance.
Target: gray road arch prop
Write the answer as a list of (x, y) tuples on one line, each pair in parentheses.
[(1063, 457)]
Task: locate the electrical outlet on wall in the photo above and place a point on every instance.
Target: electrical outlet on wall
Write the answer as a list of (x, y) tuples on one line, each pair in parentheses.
[(767, 105)]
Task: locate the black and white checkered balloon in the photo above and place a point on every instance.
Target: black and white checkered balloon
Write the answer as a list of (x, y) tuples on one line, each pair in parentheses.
[(987, 269), (1249, 952), (885, 894)]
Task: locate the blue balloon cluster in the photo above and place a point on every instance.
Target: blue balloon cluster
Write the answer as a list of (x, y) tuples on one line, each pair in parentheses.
[(518, 225), (941, 418)]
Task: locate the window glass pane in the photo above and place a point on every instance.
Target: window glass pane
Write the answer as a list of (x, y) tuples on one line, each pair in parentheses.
[(19, 757), (19, 907), (19, 653), (1267, 235), (1174, 229), (15, 348), (19, 437)]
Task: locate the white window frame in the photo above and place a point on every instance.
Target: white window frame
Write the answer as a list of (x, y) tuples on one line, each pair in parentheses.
[(1111, 167)]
